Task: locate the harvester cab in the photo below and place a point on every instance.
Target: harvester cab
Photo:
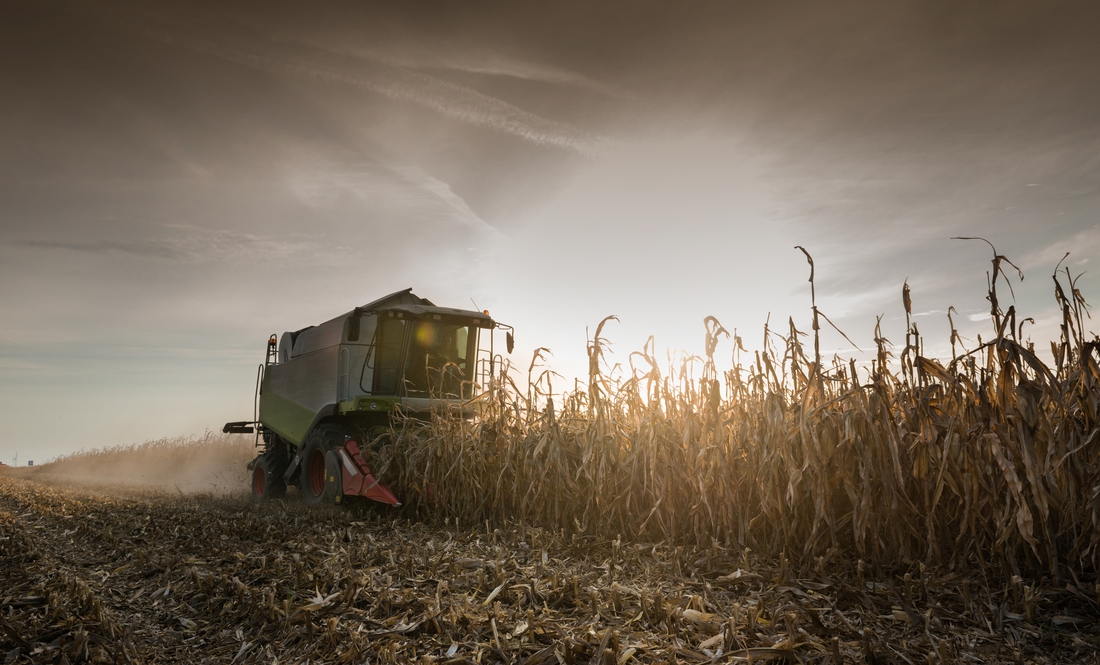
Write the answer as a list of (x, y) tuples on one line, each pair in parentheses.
[(326, 392)]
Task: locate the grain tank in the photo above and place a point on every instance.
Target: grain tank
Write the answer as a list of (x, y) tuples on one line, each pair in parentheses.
[(326, 391)]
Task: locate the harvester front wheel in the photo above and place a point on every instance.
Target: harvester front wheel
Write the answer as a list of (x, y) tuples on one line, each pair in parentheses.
[(313, 475), (334, 478), (267, 481)]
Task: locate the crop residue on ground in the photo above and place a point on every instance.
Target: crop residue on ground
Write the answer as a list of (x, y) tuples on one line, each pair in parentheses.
[(160, 577)]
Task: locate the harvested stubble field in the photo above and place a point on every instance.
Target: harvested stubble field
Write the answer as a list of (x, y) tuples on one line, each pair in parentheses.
[(141, 577)]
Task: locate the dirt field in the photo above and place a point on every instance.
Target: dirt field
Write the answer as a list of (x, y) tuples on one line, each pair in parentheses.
[(133, 576)]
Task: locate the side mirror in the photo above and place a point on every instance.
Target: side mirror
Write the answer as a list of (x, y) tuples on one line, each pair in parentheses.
[(509, 341), (353, 328)]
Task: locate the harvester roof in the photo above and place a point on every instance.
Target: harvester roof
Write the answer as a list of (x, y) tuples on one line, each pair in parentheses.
[(479, 319), (409, 302), (330, 332)]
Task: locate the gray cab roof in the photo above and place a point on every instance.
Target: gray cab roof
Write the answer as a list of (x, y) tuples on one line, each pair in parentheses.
[(403, 297), (330, 332), (417, 311), (412, 304), (405, 301)]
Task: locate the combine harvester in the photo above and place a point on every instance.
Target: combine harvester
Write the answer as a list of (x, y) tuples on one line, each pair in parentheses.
[(325, 391)]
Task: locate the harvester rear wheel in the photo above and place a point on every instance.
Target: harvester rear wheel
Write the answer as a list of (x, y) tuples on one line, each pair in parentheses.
[(313, 473), (267, 480)]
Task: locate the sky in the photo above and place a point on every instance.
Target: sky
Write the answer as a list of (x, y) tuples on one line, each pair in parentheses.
[(179, 180)]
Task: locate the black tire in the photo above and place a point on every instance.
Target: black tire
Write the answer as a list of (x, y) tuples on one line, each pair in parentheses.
[(313, 473), (334, 479), (267, 479)]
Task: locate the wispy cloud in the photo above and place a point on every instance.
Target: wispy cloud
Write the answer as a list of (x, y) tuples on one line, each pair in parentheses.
[(192, 244), (456, 206), (1082, 246), (404, 85), (321, 184), (493, 64)]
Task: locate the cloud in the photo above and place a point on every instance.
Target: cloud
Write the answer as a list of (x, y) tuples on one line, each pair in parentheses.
[(404, 85), (1082, 246), (321, 184), (457, 207), (495, 65), (8, 363), (199, 245)]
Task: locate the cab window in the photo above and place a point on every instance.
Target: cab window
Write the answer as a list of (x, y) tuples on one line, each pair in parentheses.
[(386, 355), (437, 362)]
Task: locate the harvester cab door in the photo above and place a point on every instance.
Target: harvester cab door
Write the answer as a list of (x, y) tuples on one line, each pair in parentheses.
[(386, 355)]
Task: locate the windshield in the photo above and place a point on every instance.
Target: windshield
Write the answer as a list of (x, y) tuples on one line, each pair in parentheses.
[(439, 359)]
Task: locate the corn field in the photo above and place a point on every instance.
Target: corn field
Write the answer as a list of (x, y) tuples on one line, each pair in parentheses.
[(986, 462)]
